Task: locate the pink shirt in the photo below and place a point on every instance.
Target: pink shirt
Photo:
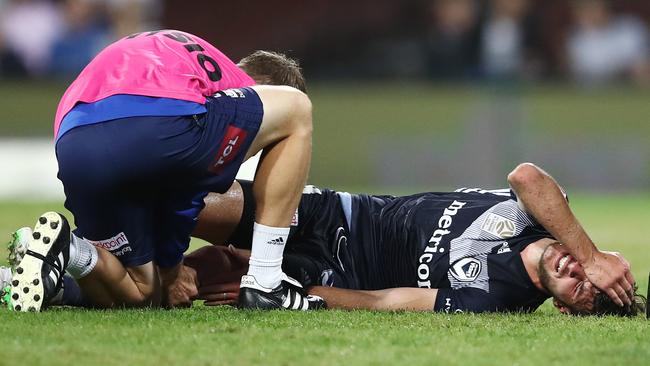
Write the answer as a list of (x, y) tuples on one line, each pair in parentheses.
[(166, 64)]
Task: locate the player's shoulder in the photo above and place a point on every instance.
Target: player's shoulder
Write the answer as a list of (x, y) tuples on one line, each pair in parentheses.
[(503, 193)]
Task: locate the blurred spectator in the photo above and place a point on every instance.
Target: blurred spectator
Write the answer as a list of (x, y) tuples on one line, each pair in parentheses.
[(85, 34), (10, 64), (509, 40), (29, 27), (604, 47), (452, 39), (131, 16)]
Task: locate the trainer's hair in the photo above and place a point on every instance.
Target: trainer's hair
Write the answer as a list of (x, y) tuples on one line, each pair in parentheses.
[(604, 305), (272, 68)]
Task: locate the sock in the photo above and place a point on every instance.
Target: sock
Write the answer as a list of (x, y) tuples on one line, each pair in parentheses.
[(265, 263), (71, 293), (5, 277), (83, 257)]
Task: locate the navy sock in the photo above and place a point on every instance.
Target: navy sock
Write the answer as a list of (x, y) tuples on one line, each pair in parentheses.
[(71, 293)]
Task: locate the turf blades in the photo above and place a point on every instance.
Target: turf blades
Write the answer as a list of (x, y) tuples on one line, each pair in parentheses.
[(647, 305)]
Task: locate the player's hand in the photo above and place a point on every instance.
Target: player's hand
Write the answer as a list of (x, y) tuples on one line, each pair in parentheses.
[(219, 293), (223, 288), (610, 272), (216, 264), (179, 286)]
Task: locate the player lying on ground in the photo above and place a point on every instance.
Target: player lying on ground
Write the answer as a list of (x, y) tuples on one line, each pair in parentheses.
[(469, 250), (148, 128)]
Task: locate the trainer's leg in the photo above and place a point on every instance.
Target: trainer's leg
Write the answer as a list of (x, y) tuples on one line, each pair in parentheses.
[(115, 195), (110, 284), (285, 135)]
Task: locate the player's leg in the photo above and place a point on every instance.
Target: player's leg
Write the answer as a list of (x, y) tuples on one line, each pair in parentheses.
[(109, 173), (112, 250), (110, 284), (285, 137), (37, 277), (221, 215)]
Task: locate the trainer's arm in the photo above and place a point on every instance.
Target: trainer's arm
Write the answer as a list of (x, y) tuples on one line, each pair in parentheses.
[(542, 197), (405, 298)]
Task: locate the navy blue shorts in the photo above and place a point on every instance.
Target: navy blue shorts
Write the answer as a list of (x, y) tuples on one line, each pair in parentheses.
[(136, 185), (320, 251)]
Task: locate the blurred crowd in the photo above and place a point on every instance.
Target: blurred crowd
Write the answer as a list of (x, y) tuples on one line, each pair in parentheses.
[(589, 41), (505, 39), (57, 38)]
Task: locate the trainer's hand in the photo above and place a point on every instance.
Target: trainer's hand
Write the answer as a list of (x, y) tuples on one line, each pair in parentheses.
[(610, 272), (179, 286)]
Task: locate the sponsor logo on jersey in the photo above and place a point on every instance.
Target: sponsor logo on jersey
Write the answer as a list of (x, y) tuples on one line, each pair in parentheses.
[(232, 142), (498, 225), (294, 218), (327, 278), (117, 245), (466, 269), (444, 223), (505, 248)]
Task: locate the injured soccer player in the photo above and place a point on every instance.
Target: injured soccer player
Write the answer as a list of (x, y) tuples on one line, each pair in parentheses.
[(471, 250)]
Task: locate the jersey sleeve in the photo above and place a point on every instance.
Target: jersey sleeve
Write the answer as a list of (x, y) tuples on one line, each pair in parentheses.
[(465, 300)]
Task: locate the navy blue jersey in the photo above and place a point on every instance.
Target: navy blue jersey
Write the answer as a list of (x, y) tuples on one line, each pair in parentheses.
[(466, 244)]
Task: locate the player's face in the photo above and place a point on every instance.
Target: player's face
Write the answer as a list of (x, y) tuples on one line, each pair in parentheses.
[(565, 279)]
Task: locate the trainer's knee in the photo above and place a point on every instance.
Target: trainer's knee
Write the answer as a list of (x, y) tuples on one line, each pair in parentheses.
[(302, 116)]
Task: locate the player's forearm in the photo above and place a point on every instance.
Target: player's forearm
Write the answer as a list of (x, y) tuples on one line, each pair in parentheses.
[(542, 197), (414, 299)]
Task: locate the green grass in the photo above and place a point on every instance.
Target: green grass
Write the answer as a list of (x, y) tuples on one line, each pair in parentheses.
[(212, 336)]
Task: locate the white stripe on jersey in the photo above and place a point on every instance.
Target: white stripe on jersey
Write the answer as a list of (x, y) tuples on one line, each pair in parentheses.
[(346, 203), (498, 192), (309, 189), (482, 236)]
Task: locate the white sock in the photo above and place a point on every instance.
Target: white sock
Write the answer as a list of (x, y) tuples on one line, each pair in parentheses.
[(83, 257), (265, 263), (5, 277)]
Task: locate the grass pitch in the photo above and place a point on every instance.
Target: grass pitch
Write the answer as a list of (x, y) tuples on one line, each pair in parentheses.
[(212, 336)]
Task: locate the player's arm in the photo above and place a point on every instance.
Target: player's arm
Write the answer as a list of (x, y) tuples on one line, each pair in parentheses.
[(542, 197), (404, 298)]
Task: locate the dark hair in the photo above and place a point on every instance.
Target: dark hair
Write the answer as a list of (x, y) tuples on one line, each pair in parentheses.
[(272, 68), (604, 305)]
